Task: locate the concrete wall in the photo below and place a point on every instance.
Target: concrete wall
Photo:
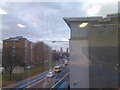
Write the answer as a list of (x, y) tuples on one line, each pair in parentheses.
[(103, 54), (77, 32), (79, 63), (94, 53)]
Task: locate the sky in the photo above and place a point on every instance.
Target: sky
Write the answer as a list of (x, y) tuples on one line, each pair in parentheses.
[(43, 21)]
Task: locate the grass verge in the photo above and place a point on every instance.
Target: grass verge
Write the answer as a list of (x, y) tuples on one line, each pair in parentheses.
[(16, 77)]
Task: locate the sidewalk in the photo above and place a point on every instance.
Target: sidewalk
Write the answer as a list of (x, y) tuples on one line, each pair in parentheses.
[(14, 85)]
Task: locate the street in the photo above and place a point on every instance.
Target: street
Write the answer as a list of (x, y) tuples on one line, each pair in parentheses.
[(50, 82)]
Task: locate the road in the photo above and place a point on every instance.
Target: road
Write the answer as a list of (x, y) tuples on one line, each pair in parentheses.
[(50, 82), (27, 81)]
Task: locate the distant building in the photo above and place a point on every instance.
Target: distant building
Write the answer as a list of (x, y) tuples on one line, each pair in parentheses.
[(38, 52), (67, 50), (47, 53), (41, 52), (94, 52), (56, 55)]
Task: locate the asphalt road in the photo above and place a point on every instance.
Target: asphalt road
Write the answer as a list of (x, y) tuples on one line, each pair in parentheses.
[(50, 82)]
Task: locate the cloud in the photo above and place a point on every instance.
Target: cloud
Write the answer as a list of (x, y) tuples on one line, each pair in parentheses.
[(100, 8), (2, 12), (93, 10), (21, 25), (51, 12), (44, 20), (108, 8)]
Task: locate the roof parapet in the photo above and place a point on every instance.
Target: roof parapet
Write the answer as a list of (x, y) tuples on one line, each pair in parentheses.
[(86, 19)]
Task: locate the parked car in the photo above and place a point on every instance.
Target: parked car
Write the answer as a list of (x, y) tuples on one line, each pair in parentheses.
[(28, 67), (50, 74), (1, 69)]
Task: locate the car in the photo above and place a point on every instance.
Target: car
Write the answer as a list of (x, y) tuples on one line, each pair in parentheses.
[(66, 62), (57, 69), (50, 74), (27, 67), (63, 65), (1, 69)]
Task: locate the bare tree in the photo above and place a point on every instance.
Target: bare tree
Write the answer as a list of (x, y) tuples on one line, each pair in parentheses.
[(10, 61)]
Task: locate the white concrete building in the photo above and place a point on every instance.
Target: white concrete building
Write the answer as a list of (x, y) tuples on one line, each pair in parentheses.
[(93, 51)]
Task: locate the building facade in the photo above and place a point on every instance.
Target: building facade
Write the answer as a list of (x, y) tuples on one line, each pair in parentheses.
[(27, 52), (38, 52), (17, 48), (41, 52), (94, 51)]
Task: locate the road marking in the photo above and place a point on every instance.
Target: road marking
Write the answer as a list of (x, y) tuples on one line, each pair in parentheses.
[(59, 81), (36, 82)]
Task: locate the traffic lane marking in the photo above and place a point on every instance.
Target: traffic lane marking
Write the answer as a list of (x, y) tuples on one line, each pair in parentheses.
[(36, 82), (59, 81)]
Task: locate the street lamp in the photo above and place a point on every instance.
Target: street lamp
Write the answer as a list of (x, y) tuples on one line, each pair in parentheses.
[(47, 53), (50, 63), (61, 53), (59, 41)]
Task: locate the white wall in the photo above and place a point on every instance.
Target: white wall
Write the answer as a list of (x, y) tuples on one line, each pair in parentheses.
[(79, 63), (77, 32)]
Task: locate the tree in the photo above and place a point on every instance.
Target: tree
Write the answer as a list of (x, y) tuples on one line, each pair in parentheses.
[(55, 55), (10, 61)]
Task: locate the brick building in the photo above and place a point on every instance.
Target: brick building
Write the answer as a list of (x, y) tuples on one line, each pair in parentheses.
[(41, 52), (37, 52), (17, 48), (28, 52)]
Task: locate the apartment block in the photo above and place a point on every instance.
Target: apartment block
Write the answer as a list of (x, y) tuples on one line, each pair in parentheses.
[(17, 48), (28, 52)]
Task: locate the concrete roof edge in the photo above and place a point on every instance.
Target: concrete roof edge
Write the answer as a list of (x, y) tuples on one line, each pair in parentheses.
[(91, 18), (67, 21)]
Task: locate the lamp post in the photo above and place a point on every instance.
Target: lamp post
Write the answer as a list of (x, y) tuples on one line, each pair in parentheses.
[(59, 41), (50, 51), (62, 55), (47, 54)]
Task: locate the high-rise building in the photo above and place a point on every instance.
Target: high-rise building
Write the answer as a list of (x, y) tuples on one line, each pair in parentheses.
[(94, 52), (17, 48), (67, 50)]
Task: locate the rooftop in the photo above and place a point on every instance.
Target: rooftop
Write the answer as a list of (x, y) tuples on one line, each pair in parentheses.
[(94, 18)]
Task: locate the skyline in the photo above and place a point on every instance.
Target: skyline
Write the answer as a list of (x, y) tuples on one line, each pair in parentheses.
[(43, 21)]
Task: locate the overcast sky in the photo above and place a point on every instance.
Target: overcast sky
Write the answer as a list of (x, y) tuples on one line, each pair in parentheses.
[(44, 20)]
